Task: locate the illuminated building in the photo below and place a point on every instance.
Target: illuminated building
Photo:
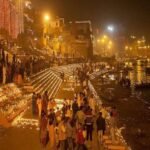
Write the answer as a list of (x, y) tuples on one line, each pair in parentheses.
[(11, 17), (83, 44)]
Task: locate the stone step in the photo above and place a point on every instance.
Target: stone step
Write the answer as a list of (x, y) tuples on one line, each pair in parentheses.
[(68, 70), (108, 141), (47, 87), (27, 83), (28, 88), (41, 84), (43, 87), (42, 79), (51, 88), (4, 123), (116, 147), (106, 137), (56, 88), (38, 74), (39, 78), (58, 72), (49, 80)]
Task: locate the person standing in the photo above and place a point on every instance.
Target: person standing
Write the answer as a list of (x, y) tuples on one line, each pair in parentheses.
[(101, 127), (80, 116), (39, 105), (12, 71), (52, 136), (34, 98), (1, 72), (89, 124), (8, 73), (43, 129), (31, 66), (62, 75), (69, 134), (45, 102), (68, 112), (92, 103), (114, 112), (3, 56), (16, 73), (75, 108), (20, 79), (79, 99), (104, 111), (113, 127), (4, 73), (22, 70), (80, 138), (52, 116), (62, 134), (51, 104)]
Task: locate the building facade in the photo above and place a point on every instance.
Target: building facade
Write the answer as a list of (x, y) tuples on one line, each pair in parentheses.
[(11, 17), (83, 38), (73, 40)]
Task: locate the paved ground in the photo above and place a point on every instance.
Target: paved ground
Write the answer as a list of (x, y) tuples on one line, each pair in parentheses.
[(133, 112), (26, 136)]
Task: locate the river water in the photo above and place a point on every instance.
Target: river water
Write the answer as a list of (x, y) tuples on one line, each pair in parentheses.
[(138, 74), (133, 105)]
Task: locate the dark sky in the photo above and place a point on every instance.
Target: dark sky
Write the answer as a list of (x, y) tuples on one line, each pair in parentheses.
[(132, 16)]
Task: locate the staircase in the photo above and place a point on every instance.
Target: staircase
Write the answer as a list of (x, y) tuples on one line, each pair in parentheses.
[(49, 79), (46, 80), (109, 145), (67, 69), (97, 73)]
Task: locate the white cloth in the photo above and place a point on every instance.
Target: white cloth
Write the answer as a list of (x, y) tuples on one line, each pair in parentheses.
[(4, 74)]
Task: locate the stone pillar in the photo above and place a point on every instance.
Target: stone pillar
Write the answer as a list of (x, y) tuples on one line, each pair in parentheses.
[(20, 11)]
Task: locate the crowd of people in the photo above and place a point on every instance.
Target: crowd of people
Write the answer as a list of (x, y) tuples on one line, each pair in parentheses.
[(125, 82), (82, 73), (69, 127), (11, 70), (14, 69)]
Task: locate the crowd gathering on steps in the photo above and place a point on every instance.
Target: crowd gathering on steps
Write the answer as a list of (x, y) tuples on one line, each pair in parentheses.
[(72, 126), (14, 69), (69, 127)]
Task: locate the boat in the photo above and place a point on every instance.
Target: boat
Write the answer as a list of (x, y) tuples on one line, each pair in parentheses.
[(142, 86), (147, 70)]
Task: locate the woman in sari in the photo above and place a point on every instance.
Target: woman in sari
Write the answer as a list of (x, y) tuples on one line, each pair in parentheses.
[(43, 129), (52, 137), (39, 105)]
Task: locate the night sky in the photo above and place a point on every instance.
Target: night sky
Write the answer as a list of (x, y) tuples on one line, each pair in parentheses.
[(130, 16)]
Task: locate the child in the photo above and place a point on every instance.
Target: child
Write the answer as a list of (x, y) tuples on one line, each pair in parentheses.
[(80, 138)]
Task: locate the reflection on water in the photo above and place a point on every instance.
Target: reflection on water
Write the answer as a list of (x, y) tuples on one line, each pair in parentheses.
[(138, 75)]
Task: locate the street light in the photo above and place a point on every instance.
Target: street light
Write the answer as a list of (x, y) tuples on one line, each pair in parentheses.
[(103, 40), (126, 47), (110, 43), (106, 44), (110, 28), (46, 30), (139, 42), (46, 17), (105, 36), (109, 47), (98, 40)]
